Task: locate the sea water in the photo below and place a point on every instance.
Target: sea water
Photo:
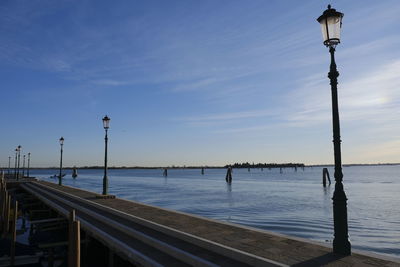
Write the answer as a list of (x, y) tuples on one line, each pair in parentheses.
[(292, 202)]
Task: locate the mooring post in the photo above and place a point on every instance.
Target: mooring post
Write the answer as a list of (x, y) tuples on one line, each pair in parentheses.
[(228, 176), (202, 171), (13, 233), (325, 174), (165, 173)]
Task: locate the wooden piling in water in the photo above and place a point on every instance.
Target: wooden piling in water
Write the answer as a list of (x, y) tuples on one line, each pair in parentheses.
[(325, 175), (13, 233), (202, 171), (165, 173), (228, 176)]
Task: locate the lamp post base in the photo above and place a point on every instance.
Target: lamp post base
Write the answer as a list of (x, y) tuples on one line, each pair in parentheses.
[(341, 247), (105, 196), (341, 244), (105, 185)]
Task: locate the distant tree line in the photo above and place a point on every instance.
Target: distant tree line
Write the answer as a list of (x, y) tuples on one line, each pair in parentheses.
[(265, 165)]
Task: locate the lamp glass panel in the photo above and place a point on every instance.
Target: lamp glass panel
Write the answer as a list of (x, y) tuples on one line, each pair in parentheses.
[(323, 29), (334, 24), (106, 123)]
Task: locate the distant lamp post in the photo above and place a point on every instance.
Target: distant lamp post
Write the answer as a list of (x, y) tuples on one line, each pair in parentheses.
[(106, 125), (29, 161), (19, 159), (331, 23), (9, 164), (61, 155), (15, 161), (23, 166)]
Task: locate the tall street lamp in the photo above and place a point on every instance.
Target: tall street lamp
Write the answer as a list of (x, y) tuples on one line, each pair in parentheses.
[(331, 23), (61, 154), (23, 167), (9, 164), (19, 159), (29, 160), (106, 125), (15, 161)]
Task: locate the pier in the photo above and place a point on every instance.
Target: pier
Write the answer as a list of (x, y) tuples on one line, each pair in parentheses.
[(144, 235)]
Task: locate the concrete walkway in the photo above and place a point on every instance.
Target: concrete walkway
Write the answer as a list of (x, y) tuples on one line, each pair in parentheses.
[(283, 249)]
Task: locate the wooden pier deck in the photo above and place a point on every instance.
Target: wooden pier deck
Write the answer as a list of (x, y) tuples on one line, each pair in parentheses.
[(153, 236)]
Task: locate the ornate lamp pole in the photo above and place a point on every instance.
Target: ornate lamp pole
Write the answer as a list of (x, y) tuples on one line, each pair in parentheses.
[(331, 23), (29, 160), (106, 125), (61, 154), (19, 157)]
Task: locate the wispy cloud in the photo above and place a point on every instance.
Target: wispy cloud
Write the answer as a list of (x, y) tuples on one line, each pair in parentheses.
[(230, 116)]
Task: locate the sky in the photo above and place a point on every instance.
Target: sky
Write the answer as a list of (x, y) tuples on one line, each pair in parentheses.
[(190, 82)]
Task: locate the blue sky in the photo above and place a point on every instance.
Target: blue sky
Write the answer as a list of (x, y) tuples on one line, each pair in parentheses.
[(196, 82)]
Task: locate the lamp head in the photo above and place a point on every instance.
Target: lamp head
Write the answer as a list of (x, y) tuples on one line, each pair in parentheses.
[(331, 24), (106, 122)]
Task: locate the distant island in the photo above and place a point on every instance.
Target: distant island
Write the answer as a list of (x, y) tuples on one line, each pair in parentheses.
[(235, 165), (265, 165)]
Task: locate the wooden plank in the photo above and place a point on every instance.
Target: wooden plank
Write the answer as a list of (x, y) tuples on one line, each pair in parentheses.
[(20, 260), (48, 220), (52, 245)]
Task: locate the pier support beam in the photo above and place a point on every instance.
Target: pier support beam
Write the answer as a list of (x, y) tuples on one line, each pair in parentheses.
[(74, 241), (13, 233)]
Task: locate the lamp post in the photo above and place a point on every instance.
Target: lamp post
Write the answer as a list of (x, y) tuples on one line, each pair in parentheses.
[(15, 161), (331, 23), (106, 125), (23, 167), (19, 159), (9, 164), (29, 160), (61, 154)]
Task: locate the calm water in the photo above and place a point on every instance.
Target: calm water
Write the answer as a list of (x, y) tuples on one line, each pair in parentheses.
[(292, 203)]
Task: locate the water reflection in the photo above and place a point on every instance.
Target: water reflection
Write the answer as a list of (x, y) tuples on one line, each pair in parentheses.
[(230, 199)]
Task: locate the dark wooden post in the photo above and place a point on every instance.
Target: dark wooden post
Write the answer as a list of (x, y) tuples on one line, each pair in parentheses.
[(74, 241), (228, 176), (76, 254), (7, 214), (13, 233), (71, 220)]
